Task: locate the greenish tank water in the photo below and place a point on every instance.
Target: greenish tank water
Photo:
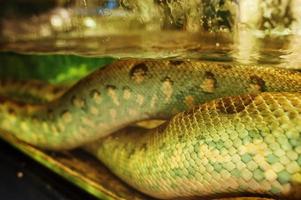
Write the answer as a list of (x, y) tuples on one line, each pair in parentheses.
[(52, 68)]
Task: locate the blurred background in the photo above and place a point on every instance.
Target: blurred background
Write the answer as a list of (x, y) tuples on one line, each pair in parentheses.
[(239, 31)]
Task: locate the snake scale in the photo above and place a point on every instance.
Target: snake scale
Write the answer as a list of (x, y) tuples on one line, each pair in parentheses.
[(246, 138)]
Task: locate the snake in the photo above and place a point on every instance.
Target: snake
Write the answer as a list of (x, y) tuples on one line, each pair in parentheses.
[(33, 91), (230, 130)]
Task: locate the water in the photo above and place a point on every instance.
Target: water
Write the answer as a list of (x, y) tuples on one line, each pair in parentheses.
[(245, 48), (245, 31)]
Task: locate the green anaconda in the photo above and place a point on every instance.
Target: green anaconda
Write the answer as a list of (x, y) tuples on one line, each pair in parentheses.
[(245, 139), (34, 91)]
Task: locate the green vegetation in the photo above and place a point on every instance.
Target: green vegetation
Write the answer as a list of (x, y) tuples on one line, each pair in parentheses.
[(52, 68)]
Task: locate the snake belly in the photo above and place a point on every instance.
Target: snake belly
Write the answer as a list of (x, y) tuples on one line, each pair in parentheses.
[(234, 145)]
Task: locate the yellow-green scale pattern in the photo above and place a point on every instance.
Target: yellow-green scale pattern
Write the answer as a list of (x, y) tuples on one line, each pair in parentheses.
[(131, 90), (232, 146), (30, 90)]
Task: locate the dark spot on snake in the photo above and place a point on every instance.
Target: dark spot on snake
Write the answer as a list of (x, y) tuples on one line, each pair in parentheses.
[(232, 105), (209, 75), (226, 66), (176, 62), (167, 79), (94, 93), (111, 87), (138, 72), (209, 83), (11, 111), (126, 88), (144, 147), (258, 81), (78, 102), (131, 152)]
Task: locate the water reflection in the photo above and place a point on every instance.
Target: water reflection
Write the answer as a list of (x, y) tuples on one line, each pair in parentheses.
[(244, 31)]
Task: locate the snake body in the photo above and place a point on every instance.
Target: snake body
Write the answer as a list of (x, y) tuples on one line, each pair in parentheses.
[(34, 91), (239, 144)]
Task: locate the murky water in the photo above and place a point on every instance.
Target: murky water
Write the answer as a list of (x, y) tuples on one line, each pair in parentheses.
[(280, 51), (245, 31)]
